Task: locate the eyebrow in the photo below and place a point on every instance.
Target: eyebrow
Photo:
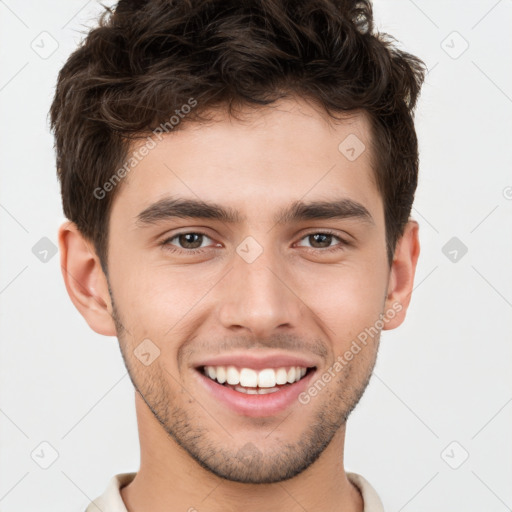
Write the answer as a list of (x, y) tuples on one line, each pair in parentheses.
[(169, 208)]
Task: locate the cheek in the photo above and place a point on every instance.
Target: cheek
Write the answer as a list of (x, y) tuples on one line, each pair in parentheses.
[(346, 299), (154, 300)]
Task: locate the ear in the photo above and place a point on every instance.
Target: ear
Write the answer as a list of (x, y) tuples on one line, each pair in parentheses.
[(85, 280), (401, 278)]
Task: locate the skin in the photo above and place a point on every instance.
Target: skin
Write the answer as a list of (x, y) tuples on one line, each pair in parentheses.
[(294, 297)]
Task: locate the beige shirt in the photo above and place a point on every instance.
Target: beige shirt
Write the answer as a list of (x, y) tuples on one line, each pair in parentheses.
[(111, 501)]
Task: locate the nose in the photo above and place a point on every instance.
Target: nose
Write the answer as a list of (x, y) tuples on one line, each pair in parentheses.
[(258, 296)]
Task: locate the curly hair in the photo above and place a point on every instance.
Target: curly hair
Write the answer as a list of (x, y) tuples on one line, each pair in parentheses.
[(148, 57)]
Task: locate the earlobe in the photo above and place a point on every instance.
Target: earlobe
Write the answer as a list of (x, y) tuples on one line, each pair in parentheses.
[(85, 280), (401, 277)]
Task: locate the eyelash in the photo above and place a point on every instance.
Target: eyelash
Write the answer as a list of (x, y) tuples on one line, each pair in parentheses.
[(339, 247)]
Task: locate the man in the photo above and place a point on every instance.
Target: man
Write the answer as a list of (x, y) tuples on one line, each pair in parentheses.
[(238, 179)]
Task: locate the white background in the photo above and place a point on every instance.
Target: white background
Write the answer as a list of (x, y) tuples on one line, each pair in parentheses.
[(444, 376)]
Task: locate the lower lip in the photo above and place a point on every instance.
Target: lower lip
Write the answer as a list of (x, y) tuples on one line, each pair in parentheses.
[(256, 406)]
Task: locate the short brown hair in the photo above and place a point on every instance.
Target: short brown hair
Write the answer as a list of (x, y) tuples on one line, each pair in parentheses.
[(148, 58)]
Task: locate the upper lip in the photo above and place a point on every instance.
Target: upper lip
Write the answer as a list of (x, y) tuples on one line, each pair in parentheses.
[(258, 362)]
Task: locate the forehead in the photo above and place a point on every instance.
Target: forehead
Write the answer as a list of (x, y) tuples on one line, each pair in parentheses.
[(264, 158)]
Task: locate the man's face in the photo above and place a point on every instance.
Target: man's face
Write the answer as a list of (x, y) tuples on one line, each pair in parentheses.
[(304, 287)]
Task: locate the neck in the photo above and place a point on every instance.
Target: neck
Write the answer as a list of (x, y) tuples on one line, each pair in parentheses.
[(170, 480)]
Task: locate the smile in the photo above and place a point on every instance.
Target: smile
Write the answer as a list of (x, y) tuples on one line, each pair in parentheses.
[(255, 393), (250, 381)]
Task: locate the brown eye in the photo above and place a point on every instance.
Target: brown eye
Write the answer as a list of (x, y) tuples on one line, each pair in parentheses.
[(320, 240), (323, 240), (190, 240)]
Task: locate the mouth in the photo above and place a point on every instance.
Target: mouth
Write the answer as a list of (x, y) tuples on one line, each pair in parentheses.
[(256, 392), (252, 382)]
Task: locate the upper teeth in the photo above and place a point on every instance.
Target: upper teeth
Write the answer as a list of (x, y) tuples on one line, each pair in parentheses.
[(248, 377)]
